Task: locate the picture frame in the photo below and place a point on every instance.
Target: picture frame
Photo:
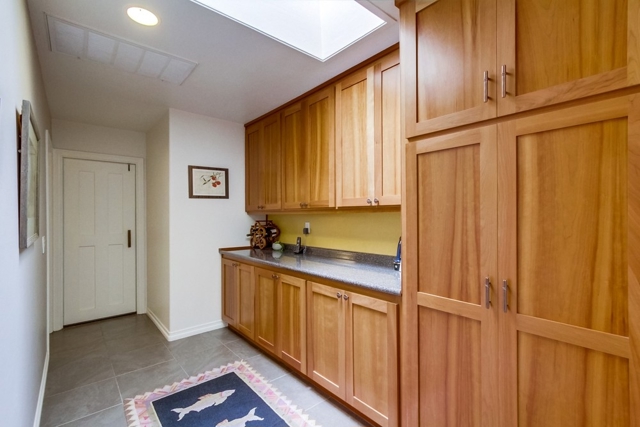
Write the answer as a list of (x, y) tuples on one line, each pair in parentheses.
[(208, 182), (28, 185)]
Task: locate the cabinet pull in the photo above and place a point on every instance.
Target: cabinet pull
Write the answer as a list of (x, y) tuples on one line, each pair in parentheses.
[(487, 292), (369, 202), (345, 296), (128, 238), (301, 204), (486, 86), (376, 201), (339, 295), (503, 71), (505, 292), (274, 276)]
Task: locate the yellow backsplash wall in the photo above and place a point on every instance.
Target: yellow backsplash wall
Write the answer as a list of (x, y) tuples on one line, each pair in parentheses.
[(375, 232)]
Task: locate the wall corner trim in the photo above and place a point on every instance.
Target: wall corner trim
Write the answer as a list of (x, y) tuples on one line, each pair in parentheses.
[(186, 332), (43, 384)]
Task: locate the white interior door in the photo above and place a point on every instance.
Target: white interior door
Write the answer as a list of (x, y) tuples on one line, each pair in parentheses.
[(99, 247)]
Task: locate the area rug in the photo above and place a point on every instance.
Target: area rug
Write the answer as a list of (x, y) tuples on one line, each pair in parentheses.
[(230, 396)]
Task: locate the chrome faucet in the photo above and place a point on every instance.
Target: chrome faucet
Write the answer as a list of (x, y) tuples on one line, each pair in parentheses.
[(298, 249)]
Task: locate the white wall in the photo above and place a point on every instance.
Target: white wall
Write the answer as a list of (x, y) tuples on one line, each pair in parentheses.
[(158, 265), (199, 227), (23, 324), (97, 139)]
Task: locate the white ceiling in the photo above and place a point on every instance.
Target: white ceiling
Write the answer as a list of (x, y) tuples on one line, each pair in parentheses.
[(241, 74)]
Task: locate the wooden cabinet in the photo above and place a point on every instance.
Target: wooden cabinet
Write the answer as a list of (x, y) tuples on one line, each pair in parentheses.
[(281, 316), (307, 152), (266, 285), (369, 136), (229, 291), (292, 312), (352, 350), (466, 60), (262, 161), (521, 288), (238, 296)]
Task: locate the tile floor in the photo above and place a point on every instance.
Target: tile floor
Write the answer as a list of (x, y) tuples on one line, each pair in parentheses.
[(95, 366)]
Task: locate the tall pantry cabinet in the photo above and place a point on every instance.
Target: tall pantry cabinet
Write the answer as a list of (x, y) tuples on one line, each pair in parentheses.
[(521, 291)]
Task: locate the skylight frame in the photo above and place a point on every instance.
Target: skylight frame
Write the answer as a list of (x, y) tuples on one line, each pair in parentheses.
[(375, 21)]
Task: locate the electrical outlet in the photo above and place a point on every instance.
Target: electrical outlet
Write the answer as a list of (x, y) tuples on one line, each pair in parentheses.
[(307, 228)]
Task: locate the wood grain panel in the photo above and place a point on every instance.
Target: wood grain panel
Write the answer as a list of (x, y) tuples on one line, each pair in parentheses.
[(326, 338), (295, 165), (321, 138), (563, 41), (246, 300), (450, 370), (572, 226), (455, 45), (270, 172), (449, 223), (254, 165), (388, 168), (266, 310), (229, 292), (292, 312), (354, 157), (564, 385)]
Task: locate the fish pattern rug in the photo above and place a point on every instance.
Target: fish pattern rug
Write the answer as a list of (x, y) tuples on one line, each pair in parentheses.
[(231, 396)]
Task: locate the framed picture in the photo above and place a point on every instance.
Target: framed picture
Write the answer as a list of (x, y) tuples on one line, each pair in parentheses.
[(208, 183), (28, 154)]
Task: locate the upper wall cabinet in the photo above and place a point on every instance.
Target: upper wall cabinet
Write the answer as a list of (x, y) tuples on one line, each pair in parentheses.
[(369, 136), (307, 152), (470, 60), (262, 161)]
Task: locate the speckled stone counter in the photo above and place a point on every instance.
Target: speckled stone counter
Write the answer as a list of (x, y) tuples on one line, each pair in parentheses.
[(368, 271)]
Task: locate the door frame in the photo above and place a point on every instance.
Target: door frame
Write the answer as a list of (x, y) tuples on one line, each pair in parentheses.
[(57, 232)]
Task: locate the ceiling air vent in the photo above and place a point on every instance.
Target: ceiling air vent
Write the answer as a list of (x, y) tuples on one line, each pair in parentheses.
[(85, 43)]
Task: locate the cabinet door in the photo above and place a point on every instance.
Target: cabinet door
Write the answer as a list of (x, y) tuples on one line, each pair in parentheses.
[(266, 310), (448, 46), (569, 200), (229, 292), (246, 300), (557, 51), (270, 172), (450, 323), (253, 163), (326, 337), (388, 132), (295, 166), (372, 358), (354, 144), (292, 330), (321, 145)]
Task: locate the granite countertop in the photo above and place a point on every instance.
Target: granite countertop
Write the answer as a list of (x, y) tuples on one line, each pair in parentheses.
[(368, 271)]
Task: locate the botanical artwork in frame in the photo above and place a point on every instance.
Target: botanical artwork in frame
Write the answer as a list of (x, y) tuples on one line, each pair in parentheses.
[(208, 183), (28, 154)]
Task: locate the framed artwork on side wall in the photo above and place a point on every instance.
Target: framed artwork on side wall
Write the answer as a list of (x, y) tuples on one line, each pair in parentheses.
[(208, 182), (28, 154)]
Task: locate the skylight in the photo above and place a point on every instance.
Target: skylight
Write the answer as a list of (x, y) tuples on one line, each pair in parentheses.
[(319, 28)]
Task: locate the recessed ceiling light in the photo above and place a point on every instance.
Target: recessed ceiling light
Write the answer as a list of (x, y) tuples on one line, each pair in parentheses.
[(142, 16)]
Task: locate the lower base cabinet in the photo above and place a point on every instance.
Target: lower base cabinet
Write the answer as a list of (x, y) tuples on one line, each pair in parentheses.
[(352, 350), (345, 341)]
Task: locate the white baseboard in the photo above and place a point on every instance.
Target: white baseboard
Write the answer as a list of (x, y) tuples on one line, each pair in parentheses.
[(186, 332), (43, 385)]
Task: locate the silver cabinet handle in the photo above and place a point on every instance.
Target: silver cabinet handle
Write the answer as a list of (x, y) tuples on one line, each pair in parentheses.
[(345, 296), (369, 202), (503, 71), (505, 292), (487, 292), (376, 201), (339, 295), (486, 86)]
